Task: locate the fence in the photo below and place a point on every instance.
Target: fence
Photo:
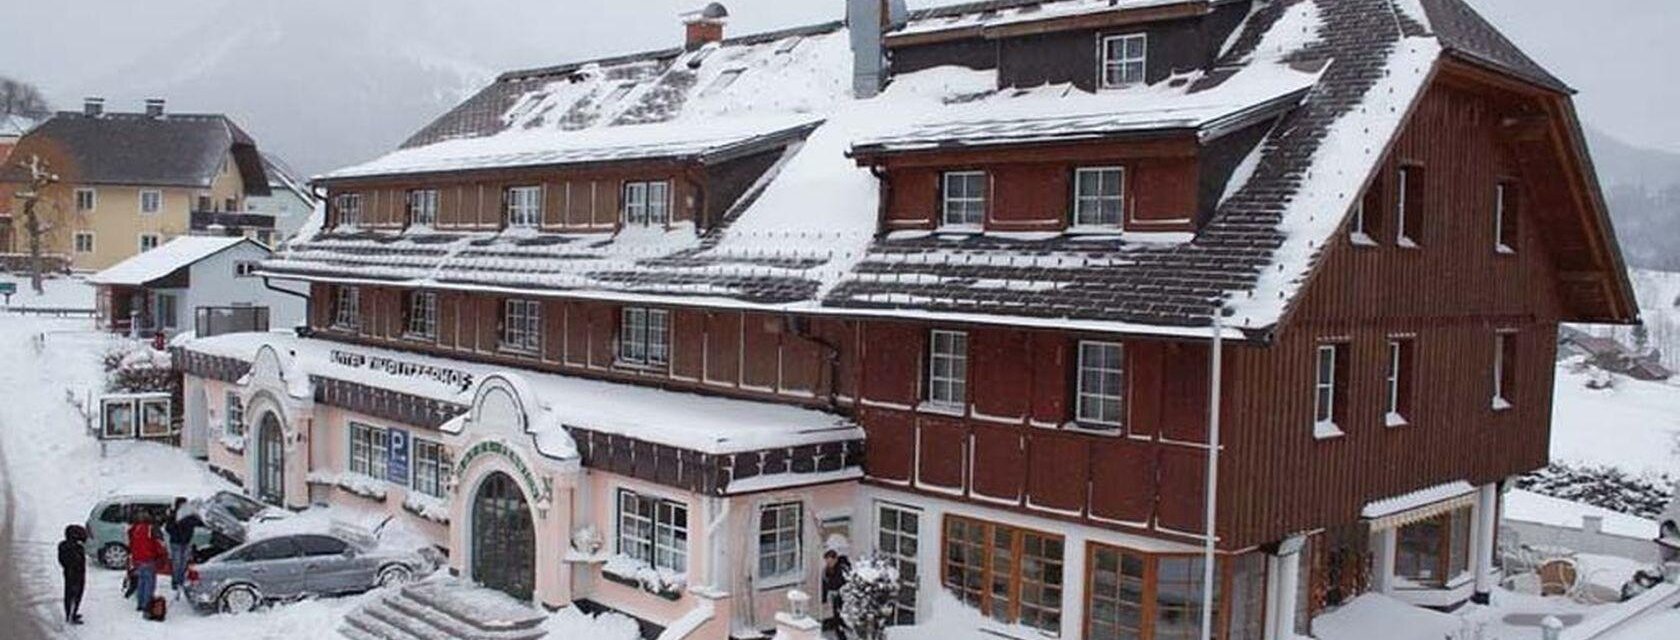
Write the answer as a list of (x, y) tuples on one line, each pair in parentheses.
[(215, 321)]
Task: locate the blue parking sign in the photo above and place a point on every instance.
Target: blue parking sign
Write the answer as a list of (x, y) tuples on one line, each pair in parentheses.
[(396, 457)]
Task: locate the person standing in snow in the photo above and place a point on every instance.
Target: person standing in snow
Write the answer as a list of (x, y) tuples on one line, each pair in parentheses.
[(144, 555), (72, 558), (180, 533), (836, 569)]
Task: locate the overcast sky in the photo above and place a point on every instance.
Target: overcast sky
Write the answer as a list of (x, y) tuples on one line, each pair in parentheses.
[(1615, 52)]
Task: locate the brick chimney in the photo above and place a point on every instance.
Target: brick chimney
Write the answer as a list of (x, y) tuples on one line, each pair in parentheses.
[(93, 106), (704, 26), (154, 107)]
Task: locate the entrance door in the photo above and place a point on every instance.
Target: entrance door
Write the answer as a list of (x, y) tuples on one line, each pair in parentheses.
[(504, 543), (271, 461)]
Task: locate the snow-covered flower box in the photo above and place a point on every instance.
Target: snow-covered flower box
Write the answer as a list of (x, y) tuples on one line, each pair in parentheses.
[(356, 483), (631, 572), (429, 507)]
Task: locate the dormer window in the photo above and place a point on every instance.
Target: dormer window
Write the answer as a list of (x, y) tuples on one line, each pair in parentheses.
[(647, 203), (349, 209), (963, 198), (1123, 59), (524, 206), (422, 207), (1098, 196)]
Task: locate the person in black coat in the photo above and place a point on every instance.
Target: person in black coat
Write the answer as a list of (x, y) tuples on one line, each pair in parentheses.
[(182, 523), (72, 558), (836, 569)]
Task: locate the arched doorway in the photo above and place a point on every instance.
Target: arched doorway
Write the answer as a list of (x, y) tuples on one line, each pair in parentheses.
[(504, 542), (271, 460)]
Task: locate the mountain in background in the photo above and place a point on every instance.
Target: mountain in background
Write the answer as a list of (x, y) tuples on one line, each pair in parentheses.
[(1642, 190)]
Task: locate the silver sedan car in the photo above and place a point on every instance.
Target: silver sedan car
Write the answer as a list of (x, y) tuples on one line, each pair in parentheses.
[(294, 566)]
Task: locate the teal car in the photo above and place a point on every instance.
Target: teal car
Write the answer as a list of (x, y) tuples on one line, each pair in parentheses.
[(224, 515)]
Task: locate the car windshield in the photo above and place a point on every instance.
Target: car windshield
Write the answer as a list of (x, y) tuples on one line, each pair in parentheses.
[(239, 506)]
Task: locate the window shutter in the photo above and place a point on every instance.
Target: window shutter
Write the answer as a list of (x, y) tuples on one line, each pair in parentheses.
[(1339, 411), (1415, 204), (1508, 372), (1375, 207), (1403, 379)]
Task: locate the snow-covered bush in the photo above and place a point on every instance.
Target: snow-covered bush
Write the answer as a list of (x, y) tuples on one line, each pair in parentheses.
[(867, 600), (135, 367), (1603, 486), (587, 540), (661, 582)]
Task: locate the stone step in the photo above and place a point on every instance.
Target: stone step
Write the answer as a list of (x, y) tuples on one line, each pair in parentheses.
[(417, 626), (439, 619), (366, 626), (482, 609)]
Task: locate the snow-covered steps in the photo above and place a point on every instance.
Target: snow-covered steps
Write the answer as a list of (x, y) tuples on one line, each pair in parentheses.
[(443, 610)]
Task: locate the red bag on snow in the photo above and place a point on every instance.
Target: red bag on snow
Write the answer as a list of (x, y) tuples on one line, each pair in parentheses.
[(158, 609)]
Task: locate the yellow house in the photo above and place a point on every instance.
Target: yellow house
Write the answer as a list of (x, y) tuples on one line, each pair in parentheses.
[(129, 182)]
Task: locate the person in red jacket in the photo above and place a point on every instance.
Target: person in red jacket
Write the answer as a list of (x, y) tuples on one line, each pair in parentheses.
[(145, 554)]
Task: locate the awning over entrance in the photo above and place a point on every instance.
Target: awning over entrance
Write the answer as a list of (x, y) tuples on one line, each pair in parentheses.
[(1423, 504)]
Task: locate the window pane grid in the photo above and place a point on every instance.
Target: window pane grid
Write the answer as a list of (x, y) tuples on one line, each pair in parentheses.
[(521, 323), (422, 206), (1124, 59), (964, 201), (1098, 196), (896, 539), (1325, 386), (422, 314), (647, 203), (778, 539), (235, 414), (1012, 575), (654, 531), (347, 307), (1101, 381), (948, 368)]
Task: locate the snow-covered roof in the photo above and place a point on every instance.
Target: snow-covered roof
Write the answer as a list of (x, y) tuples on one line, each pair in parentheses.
[(168, 258), (707, 424), (1528, 506), (14, 126), (996, 13), (1414, 505), (1323, 86)]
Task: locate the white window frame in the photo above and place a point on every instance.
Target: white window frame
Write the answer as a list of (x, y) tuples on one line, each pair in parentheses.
[(430, 456), (233, 420), (1499, 245), (1124, 63), (1396, 349), (349, 207), (647, 203), (644, 337), (524, 206), (244, 268), (422, 207), (1500, 366), (156, 197), (369, 450), (422, 315), (782, 562), (1100, 175), (1402, 176), (661, 548), (155, 240), (959, 205), (1091, 403), (92, 196), (951, 389), (904, 613), (522, 325), (347, 307), (77, 242), (1324, 390)]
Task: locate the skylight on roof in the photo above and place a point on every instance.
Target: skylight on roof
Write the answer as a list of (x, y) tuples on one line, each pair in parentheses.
[(722, 82), (618, 93), (787, 45)]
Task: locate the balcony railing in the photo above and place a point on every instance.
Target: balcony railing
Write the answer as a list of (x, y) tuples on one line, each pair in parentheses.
[(215, 321), (231, 222)]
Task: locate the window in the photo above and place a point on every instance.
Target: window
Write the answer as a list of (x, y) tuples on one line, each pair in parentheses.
[(779, 528), (1178, 597), (230, 204), (349, 207), (368, 449), (1101, 380), (431, 466), (347, 312), (1504, 218), (244, 268), (1010, 574), (235, 418), (1139, 596), (1504, 361), (647, 203), (318, 545), (963, 198), (1098, 196), (422, 315), (1434, 551), (522, 325), (948, 368), (165, 311), (84, 242), (85, 200), (151, 200), (1327, 391), (1408, 207), (728, 77), (272, 549), (643, 336), (422, 207), (1398, 381), (1123, 59), (897, 538), (149, 241), (524, 206), (653, 530)]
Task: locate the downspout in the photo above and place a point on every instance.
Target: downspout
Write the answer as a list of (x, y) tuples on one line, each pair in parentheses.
[(1212, 488), (702, 213), (886, 196), (308, 313)]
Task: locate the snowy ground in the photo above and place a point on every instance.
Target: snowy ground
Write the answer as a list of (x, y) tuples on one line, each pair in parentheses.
[(61, 292), (1635, 425)]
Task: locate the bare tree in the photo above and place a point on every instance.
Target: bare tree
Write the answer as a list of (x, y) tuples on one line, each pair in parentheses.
[(22, 99), (40, 177)]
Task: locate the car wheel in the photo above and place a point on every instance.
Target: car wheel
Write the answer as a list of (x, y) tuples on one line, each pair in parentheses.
[(113, 556), (239, 598), (395, 575)]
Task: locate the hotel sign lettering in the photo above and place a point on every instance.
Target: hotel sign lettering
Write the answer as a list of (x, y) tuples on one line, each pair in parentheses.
[(498, 448), (453, 377)]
